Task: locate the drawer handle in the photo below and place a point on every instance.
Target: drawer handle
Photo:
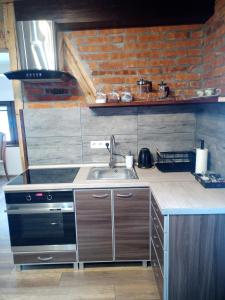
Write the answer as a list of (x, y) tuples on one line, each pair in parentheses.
[(155, 237), (44, 258), (100, 196), (124, 195)]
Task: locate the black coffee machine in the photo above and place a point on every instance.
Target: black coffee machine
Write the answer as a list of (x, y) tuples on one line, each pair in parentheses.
[(145, 159)]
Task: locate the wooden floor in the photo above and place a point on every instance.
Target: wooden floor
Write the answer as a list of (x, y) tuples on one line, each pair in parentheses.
[(107, 283)]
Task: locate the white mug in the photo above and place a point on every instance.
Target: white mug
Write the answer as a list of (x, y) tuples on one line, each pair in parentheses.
[(212, 92)]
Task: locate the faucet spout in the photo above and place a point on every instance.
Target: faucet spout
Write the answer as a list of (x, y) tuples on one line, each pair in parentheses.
[(112, 146)]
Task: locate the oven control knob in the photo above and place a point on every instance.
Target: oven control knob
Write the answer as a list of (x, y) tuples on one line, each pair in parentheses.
[(28, 198), (49, 197)]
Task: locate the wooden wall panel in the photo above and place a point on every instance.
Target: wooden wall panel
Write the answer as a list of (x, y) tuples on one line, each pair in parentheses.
[(11, 44)]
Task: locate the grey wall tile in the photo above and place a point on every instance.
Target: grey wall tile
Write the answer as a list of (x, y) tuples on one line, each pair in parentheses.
[(124, 143), (52, 122), (211, 128), (54, 150), (108, 122), (167, 131)]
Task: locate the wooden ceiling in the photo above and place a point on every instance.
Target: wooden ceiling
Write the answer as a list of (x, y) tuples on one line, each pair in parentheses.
[(89, 14)]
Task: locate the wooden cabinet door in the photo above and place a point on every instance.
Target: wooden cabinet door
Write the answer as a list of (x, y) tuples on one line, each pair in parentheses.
[(131, 219), (94, 225), (196, 257)]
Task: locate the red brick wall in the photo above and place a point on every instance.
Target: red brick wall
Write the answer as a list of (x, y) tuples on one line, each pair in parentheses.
[(42, 93), (214, 49), (187, 57), (119, 57)]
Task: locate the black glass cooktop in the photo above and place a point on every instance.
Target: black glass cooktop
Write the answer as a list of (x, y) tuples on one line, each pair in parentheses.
[(46, 176)]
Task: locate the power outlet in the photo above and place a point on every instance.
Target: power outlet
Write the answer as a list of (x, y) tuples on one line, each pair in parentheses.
[(99, 144)]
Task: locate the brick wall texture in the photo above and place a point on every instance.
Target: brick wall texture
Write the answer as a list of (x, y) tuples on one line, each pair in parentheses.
[(214, 49), (116, 58), (186, 57)]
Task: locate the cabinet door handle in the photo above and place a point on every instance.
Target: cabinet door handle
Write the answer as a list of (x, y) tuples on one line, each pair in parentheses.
[(44, 258), (100, 196), (124, 195)]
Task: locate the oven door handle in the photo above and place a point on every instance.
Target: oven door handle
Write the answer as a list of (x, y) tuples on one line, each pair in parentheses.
[(37, 211)]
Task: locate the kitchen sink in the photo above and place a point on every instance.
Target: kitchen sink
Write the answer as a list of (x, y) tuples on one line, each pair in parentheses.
[(111, 173)]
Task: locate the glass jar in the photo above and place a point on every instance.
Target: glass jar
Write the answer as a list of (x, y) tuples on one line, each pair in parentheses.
[(113, 96), (126, 95), (100, 96), (144, 86)]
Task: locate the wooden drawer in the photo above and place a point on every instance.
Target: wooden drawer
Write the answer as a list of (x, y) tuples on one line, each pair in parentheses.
[(44, 258), (157, 271), (156, 222), (158, 246), (157, 210)]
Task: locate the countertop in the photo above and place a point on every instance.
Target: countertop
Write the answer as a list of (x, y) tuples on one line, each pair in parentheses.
[(176, 193)]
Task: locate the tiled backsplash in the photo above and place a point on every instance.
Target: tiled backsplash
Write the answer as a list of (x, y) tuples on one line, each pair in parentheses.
[(210, 127), (57, 136)]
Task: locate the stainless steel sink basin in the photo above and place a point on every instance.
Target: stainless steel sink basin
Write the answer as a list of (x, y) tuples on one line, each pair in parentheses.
[(111, 173)]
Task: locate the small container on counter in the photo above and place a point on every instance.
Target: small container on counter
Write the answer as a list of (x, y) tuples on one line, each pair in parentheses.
[(100, 96), (164, 90), (129, 160), (144, 87), (113, 96), (126, 95)]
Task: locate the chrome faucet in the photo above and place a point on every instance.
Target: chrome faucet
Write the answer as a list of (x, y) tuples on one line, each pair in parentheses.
[(112, 146)]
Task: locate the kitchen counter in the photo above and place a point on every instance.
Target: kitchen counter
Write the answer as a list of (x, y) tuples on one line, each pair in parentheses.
[(176, 193)]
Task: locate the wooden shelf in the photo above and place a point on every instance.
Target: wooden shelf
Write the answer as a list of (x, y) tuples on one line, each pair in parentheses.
[(168, 101)]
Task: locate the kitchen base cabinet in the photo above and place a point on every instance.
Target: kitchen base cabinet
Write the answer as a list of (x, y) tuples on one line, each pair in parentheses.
[(197, 257), (112, 228), (192, 266), (131, 221), (94, 225)]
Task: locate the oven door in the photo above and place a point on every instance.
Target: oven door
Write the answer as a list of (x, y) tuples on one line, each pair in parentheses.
[(42, 227)]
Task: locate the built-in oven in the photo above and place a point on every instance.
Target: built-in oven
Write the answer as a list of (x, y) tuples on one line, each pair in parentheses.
[(41, 221)]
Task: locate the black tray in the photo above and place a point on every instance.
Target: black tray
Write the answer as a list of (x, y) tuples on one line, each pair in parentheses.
[(208, 184)]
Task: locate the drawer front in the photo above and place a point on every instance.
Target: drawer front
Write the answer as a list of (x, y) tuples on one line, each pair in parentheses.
[(44, 258), (157, 272), (157, 210), (158, 246), (157, 224)]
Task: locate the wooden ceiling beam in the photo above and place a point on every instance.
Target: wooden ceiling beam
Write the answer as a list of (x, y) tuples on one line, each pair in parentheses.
[(89, 14), (76, 68)]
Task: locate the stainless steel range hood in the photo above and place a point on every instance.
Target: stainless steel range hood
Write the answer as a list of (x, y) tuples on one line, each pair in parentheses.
[(38, 53)]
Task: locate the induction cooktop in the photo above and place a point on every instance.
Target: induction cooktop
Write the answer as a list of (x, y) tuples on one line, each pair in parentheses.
[(45, 176)]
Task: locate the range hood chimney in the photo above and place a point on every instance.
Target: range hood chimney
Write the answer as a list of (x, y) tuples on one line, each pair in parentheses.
[(38, 53)]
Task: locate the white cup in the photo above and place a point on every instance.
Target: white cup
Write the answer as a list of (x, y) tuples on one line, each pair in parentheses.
[(212, 92), (200, 93)]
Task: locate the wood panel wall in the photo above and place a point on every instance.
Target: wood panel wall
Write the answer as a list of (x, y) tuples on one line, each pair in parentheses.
[(10, 43)]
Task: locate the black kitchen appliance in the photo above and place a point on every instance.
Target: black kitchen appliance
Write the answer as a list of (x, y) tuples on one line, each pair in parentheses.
[(145, 159), (42, 221), (45, 176)]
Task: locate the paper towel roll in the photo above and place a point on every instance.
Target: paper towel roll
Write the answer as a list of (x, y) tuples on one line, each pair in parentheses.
[(201, 161), (129, 161)]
